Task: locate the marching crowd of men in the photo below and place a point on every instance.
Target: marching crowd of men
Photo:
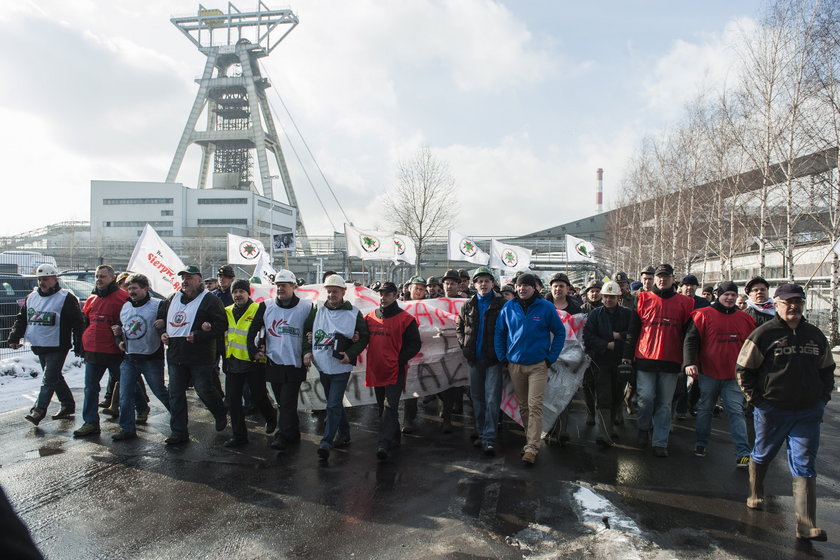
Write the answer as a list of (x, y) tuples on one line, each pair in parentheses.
[(658, 351)]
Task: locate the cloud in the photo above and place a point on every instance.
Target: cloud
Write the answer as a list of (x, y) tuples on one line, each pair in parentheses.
[(690, 67)]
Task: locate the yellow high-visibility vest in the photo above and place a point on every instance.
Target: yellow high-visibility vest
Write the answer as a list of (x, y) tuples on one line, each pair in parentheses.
[(236, 340)]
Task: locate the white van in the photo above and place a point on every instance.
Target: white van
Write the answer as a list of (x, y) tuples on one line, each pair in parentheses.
[(26, 261)]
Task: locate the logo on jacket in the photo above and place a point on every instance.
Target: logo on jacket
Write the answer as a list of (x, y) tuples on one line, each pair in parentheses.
[(282, 327), (179, 319), (134, 328), (43, 318)]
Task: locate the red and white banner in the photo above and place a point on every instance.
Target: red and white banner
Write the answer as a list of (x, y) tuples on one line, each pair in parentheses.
[(157, 261)]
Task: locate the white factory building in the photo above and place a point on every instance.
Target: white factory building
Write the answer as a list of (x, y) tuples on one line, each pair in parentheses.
[(120, 210)]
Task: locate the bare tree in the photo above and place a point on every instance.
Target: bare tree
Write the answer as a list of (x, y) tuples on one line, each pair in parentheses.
[(423, 203)]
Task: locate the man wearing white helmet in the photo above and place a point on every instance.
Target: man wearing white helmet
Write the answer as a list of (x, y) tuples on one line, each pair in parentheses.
[(603, 337), (50, 320), (276, 334), (333, 326)]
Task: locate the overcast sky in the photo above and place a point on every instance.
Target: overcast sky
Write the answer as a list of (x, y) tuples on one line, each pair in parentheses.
[(523, 100)]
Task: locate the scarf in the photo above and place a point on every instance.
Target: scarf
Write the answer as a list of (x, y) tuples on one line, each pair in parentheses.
[(768, 308)]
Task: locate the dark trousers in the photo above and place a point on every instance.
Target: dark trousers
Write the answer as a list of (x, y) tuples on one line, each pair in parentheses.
[(234, 386), (202, 378), (388, 400), (288, 424)]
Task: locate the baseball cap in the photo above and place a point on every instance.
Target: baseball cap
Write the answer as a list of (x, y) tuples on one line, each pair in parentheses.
[(664, 270), (388, 287), (192, 269), (789, 291)]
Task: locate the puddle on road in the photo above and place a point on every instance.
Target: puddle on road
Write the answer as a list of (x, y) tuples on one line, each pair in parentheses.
[(43, 452)]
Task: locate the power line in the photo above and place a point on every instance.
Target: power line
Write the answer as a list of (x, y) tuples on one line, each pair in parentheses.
[(306, 145)]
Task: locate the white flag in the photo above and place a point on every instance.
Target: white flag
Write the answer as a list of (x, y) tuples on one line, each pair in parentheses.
[(579, 250), (404, 249), (509, 257), (243, 250), (370, 245), (263, 270), (462, 248), (157, 261)]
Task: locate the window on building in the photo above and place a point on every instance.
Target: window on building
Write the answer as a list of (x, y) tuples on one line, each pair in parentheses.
[(112, 201), (138, 224), (281, 209), (167, 213), (223, 201), (222, 222), (276, 228)]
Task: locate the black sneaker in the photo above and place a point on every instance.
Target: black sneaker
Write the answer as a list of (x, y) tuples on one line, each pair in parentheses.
[(381, 454), (341, 441), (235, 442), (323, 453), (122, 435), (278, 444), (477, 444), (176, 439), (490, 450), (64, 413), (699, 451)]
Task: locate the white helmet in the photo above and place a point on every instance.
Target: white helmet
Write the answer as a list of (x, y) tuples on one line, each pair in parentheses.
[(611, 289), (46, 270), (335, 281), (285, 276)]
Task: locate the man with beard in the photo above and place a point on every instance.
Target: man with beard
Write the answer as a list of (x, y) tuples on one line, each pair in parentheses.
[(394, 340)]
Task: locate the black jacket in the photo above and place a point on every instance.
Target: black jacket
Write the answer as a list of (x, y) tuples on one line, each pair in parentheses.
[(598, 333), (792, 369), (72, 324), (202, 351), (466, 329)]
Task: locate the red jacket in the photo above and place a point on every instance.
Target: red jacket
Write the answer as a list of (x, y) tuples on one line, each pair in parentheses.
[(716, 339), (385, 346), (663, 321), (102, 313)]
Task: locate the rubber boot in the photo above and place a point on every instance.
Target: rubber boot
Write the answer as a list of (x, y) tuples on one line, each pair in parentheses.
[(603, 417), (805, 505), (757, 473), (114, 408)]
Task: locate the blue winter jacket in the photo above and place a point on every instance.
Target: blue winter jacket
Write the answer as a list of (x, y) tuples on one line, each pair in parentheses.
[(526, 338)]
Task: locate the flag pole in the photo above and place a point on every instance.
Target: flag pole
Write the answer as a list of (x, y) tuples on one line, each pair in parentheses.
[(831, 250)]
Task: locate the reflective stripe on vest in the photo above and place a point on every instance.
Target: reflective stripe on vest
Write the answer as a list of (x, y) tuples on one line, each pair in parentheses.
[(237, 333)]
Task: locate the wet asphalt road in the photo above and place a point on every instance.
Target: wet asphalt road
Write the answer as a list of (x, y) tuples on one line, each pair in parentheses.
[(439, 498)]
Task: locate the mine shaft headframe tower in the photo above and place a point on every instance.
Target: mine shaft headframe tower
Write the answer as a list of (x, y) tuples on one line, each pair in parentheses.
[(232, 88)]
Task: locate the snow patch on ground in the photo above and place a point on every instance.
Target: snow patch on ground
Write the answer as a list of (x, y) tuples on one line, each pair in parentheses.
[(20, 378)]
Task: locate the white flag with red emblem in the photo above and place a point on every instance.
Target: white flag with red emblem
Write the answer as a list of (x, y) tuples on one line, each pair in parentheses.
[(579, 250), (509, 257), (462, 248), (370, 245), (244, 250), (404, 249)]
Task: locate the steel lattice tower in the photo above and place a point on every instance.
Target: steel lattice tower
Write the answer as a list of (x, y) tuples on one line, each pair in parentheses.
[(239, 120)]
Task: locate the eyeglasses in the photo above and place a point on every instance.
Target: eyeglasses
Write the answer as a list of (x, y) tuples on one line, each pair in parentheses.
[(792, 302)]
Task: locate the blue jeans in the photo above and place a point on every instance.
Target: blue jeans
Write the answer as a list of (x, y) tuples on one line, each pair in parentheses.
[(801, 430), (93, 376), (656, 391), (130, 371), (53, 381), (334, 386), (486, 392), (733, 403), (202, 378)]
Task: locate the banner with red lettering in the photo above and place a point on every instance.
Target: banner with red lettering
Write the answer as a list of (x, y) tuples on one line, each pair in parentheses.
[(157, 261)]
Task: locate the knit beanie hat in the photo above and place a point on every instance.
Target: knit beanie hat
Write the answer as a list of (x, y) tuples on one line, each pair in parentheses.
[(527, 279), (241, 284)]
